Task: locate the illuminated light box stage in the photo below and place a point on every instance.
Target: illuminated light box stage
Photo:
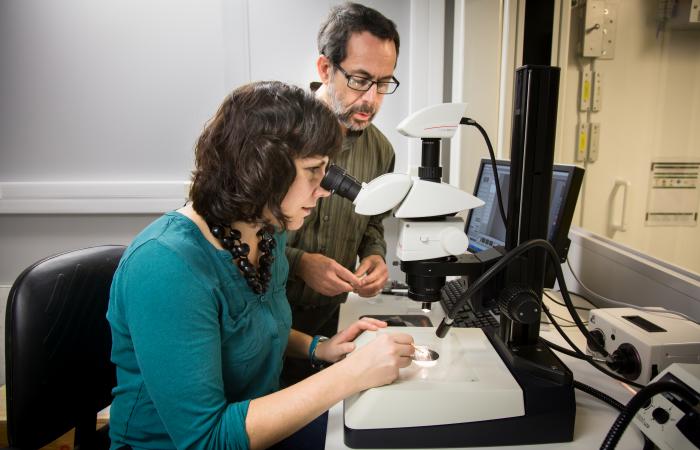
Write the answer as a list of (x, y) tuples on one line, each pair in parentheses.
[(468, 382), (467, 397)]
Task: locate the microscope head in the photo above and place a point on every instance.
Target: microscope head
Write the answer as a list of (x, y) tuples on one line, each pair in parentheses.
[(429, 231), (433, 122)]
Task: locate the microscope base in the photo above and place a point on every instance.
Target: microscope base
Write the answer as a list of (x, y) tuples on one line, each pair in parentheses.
[(550, 411)]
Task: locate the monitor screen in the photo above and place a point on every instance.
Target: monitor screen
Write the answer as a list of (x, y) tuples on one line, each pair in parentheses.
[(485, 228)]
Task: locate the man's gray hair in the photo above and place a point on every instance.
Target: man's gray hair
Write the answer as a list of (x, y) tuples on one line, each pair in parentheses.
[(346, 19)]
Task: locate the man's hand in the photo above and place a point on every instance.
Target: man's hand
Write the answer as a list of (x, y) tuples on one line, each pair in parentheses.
[(373, 274), (325, 276)]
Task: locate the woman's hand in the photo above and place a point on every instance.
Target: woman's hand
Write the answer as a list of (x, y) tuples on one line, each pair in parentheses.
[(335, 348), (378, 362)]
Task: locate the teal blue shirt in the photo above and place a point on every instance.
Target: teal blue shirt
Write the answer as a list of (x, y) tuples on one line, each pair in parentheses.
[(192, 343)]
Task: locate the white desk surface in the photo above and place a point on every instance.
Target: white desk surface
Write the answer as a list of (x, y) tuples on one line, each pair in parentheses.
[(593, 416)]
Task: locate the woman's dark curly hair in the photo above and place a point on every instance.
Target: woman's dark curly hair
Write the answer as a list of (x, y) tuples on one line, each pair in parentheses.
[(244, 158)]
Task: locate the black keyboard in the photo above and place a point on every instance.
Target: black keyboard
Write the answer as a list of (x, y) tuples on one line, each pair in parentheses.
[(466, 317)]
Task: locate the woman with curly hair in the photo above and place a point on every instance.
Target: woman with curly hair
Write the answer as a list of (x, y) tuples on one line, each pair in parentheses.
[(198, 309)]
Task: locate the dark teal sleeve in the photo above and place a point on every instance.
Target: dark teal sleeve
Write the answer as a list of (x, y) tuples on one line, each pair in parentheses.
[(173, 319)]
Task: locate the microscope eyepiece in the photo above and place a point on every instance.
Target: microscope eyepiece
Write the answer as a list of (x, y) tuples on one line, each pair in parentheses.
[(338, 181)]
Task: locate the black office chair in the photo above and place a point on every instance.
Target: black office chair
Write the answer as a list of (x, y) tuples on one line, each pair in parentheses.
[(57, 349)]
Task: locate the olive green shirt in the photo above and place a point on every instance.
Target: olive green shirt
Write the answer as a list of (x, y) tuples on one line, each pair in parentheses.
[(334, 229)]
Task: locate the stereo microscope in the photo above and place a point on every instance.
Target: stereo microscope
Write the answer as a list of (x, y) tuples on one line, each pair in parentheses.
[(487, 387)]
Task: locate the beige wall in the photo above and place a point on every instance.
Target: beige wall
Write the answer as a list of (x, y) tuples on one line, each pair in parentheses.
[(650, 109), (476, 81)]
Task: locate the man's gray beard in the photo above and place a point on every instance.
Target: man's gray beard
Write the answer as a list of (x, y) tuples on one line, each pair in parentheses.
[(345, 117)]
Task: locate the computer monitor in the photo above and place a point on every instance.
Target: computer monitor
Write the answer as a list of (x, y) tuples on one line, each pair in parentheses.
[(485, 228)]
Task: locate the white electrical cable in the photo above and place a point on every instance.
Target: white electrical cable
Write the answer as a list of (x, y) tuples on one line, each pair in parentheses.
[(629, 305)]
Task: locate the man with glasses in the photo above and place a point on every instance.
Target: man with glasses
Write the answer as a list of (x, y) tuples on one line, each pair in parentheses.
[(358, 49)]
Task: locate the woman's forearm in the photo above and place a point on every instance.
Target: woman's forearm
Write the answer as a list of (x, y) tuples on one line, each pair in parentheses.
[(377, 363), (298, 344), (276, 416)]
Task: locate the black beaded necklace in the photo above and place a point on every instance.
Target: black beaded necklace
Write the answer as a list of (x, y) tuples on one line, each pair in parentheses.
[(230, 239)]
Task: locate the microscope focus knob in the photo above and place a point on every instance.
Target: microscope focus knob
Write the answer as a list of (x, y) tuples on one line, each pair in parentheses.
[(454, 241), (520, 304)]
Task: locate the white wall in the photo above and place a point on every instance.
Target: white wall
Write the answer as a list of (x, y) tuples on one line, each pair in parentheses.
[(103, 99), (112, 90), (114, 93), (650, 109)]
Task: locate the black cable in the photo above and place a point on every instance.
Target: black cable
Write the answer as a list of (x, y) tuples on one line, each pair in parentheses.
[(567, 320), (585, 356), (564, 350), (648, 443), (554, 300), (499, 265), (637, 402), (578, 294), (599, 395), (554, 259), (568, 340), (571, 325), (446, 323), (562, 318), (474, 123)]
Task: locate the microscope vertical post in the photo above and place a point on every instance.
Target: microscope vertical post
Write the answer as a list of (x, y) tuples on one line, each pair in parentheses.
[(532, 158)]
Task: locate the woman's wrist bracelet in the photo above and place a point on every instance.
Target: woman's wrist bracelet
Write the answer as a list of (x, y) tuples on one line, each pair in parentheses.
[(316, 363)]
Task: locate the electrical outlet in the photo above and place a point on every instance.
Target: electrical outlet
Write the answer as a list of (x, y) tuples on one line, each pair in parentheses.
[(585, 102), (594, 142), (581, 142)]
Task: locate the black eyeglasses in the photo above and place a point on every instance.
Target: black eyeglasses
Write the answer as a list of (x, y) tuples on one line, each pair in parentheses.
[(363, 84)]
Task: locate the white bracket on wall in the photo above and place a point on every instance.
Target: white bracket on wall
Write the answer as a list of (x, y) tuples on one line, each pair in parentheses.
[(597, 91), (593, 142), (600, 30)]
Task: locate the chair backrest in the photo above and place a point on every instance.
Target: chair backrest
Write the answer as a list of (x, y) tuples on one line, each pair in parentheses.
[(57, 347)]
